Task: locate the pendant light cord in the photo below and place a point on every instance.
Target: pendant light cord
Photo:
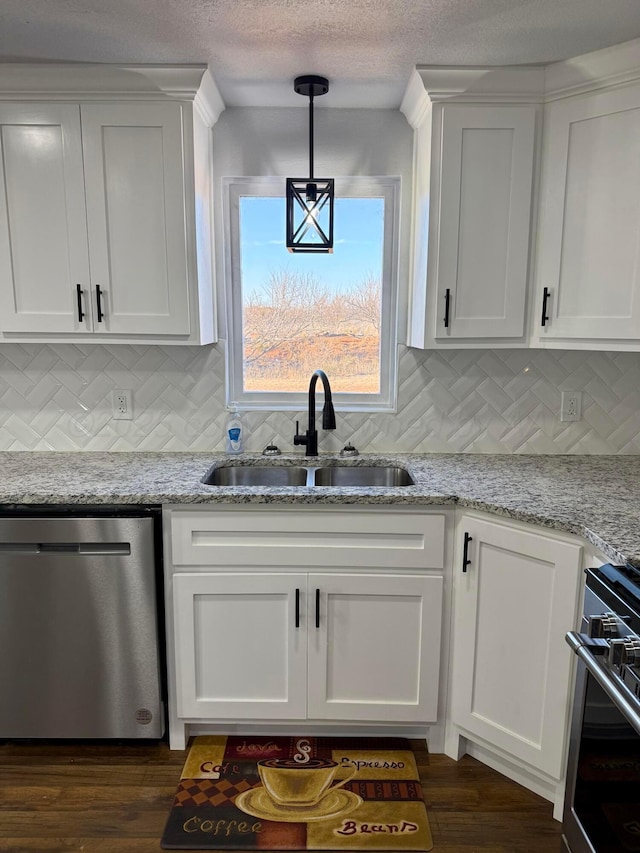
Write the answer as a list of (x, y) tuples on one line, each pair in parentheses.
[(311, 136)]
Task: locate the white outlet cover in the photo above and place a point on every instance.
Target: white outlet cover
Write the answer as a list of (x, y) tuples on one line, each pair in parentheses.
[(122, 405), (571, 405)]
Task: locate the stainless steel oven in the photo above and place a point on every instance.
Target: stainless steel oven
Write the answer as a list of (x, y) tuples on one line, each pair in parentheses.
[(602, 803)]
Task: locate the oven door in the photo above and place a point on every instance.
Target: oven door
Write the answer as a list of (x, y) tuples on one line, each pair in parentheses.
[(602, 804)]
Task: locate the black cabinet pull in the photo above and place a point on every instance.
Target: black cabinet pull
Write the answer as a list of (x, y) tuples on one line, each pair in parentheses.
[(447, 303), (545, 301), (317, 608), (297, 608), (81, 314), (465, 554), (99, 303)]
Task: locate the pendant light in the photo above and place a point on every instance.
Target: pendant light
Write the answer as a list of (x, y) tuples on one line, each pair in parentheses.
[(310, 200)]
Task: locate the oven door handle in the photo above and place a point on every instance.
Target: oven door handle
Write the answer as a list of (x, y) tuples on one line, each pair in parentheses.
[(613, 685)]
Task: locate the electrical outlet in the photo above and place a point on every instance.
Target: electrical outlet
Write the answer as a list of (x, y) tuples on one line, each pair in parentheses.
[(571, 405), (122, 405)]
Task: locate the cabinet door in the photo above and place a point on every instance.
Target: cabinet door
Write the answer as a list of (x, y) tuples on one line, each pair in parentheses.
[(511, 669), (374, 647), (589, 239), (240, 651), (43, 235), (136, 217), (485, 211)]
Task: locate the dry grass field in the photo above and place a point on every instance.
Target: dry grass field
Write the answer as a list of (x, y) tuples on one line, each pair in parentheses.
[(352, 363), (295, 325)]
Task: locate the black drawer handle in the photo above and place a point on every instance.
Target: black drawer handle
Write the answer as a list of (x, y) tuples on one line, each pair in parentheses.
[(546, 293), (447, 303), (297, 608), (81, 314), (465, 554), (317, 608), (99, 303)]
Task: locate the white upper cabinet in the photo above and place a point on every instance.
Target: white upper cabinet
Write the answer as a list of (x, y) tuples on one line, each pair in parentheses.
[(134, 184), (498, 261), (474, 156), (485, 211), (44, 259), (105, 207), (588, 272)]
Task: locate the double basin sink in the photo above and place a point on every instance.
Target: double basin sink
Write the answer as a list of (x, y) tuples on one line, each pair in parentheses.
[(345, 476)]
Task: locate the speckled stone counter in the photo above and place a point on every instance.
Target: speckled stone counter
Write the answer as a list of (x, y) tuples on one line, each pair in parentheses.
[(597, 497)]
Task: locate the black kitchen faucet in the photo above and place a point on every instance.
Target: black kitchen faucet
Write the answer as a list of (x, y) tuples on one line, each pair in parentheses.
[(310, 438)]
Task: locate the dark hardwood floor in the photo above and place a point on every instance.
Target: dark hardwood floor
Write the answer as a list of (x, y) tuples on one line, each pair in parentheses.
[(115, 799)]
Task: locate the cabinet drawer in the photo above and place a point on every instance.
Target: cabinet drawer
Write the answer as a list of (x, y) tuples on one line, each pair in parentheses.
[(285, 537)]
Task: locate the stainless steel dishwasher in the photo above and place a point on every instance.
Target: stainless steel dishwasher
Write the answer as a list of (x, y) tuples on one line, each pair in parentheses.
[(79, 650)]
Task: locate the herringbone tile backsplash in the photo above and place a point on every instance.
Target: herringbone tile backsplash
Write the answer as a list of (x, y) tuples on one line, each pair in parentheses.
[(473, 401)]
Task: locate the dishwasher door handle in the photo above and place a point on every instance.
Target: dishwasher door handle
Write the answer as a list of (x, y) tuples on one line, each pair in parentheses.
[(71, 549)]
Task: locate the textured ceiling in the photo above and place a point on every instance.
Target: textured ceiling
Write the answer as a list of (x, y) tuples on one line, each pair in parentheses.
[(367, 48)]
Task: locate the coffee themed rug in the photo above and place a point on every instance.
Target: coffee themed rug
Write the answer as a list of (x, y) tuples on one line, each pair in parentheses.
[(298, 793)]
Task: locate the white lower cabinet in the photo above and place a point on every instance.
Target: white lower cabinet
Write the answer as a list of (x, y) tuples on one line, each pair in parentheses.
[(339, 617), (514, 600), (318, 646), (374, 647), (239, 652), (332, 616)]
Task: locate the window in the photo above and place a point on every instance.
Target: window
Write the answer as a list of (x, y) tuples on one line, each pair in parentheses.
[(290, 314)]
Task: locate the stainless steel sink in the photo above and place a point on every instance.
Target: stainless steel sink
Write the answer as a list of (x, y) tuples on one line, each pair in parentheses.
[(358, 476), (256, 475)]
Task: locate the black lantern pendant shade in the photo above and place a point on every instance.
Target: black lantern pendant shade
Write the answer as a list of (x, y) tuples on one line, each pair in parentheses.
[(310, 200)]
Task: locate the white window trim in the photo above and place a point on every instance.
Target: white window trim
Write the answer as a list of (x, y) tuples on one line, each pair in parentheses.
[(345, 187)]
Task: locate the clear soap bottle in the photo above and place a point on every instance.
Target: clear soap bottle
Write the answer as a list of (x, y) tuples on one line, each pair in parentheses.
[(234, 432)]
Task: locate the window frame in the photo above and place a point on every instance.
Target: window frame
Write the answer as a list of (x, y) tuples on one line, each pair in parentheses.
[(387, 187)]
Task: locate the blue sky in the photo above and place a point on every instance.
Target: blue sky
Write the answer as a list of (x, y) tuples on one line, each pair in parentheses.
[(357, 252)]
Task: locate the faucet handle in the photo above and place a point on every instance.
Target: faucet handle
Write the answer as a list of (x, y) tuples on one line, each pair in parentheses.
[(297, 438)]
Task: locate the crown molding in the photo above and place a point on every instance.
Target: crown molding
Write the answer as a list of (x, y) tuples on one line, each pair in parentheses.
[(611, 66), (61, 81), (607, 68), (500, 84), (208, 100), (415, 102)]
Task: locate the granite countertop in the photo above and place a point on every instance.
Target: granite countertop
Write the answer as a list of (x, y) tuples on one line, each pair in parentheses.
[(597, 497)]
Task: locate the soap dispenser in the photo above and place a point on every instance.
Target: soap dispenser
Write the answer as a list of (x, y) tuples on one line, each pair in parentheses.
[(233, 431)]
